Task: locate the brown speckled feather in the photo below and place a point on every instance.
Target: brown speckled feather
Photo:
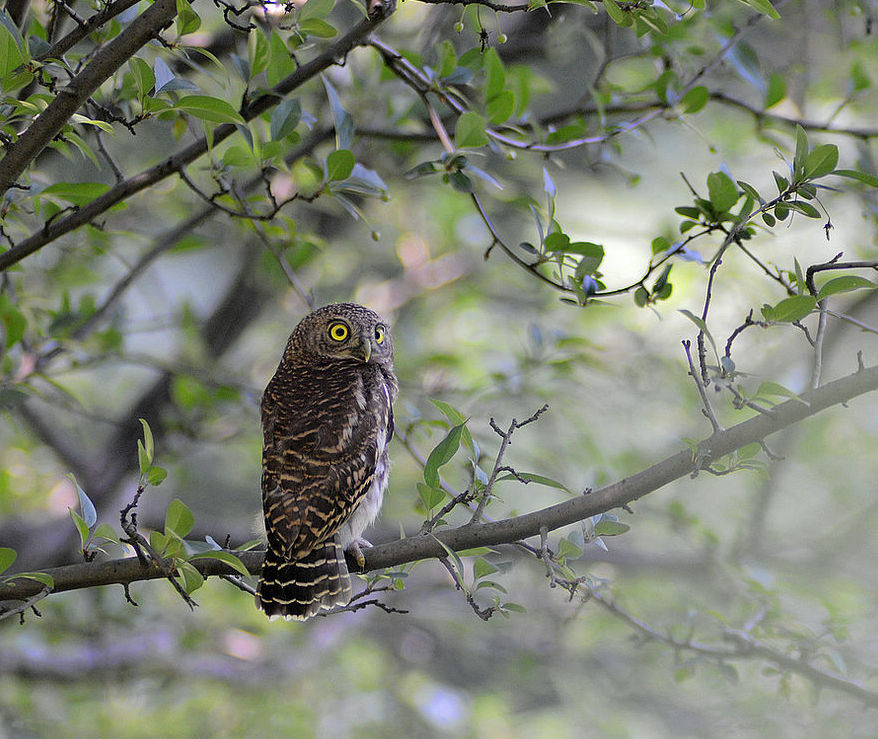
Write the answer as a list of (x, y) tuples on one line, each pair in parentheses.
[(327, 419)]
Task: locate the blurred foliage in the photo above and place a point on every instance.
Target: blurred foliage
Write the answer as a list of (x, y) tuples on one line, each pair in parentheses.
[(506, 187)]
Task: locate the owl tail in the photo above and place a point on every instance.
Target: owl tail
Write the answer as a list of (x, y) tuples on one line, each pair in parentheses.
[(298, 589)]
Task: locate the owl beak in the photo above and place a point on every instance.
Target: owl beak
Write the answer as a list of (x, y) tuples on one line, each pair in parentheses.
[(364, 350)]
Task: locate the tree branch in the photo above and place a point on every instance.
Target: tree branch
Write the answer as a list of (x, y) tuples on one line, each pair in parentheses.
[(426, 546), (70, 97), (173, 164)]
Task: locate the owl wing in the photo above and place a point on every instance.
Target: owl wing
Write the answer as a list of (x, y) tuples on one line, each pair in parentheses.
[(315, 468)]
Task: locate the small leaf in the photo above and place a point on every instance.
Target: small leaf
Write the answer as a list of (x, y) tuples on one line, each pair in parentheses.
[(344, 123), (695, 99), (430, 496), (143, 459), (844, 285), (441, 455), (223, 556), (209, 109), (318, 28), (179, 518), (723, 193), (148, 440), (801, 150), (481, 568), (41, 577), (790, 309), (470, 131), (854, 174), (339, 165), (315, 9), (610, 528), (156, 475), (538, 479), (284, 118), (821, 161), (619, 17), (7, 557), (192, 578), (105, 531), (774, 388), (81, 527), (777, 89)]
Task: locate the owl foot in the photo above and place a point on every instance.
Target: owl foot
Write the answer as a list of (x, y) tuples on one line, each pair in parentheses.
[(355, 549)]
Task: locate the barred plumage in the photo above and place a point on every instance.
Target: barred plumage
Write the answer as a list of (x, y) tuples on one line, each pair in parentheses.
[(327, 418)]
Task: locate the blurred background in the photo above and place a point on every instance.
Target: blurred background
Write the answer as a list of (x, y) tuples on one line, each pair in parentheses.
[(204, 310)]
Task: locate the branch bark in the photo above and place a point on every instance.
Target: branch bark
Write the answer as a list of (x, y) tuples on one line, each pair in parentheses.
[(426, 546)]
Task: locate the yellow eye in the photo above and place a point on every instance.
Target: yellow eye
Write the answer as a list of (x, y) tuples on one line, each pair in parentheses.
[(338, 331), (379, 335)]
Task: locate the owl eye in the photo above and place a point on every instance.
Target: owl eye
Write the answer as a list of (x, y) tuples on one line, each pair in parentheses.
[(379, 335), (338, 331)]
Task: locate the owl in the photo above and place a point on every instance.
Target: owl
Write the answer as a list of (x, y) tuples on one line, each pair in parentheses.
[(327, 418)]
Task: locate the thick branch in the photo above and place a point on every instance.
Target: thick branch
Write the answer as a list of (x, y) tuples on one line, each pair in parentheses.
[(123, 571), (50, 122)]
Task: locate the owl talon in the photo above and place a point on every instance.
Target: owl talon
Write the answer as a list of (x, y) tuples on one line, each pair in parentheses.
[(356, 551)]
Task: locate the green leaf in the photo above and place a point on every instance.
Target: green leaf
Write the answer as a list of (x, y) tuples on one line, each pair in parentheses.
[(257, 51), (11, 45), (441, 455), (821, 161), (457, 419), (538, 479), (859, 79), (208, 108), (844, 284), (763, 6), (619, 17), (143, 459), (344, 124), (723, 192), (339, 165), (868, 179), (495, 79), (470, 131), (695, 99), (430, 496), (280, 63), (89, 514), (76, 193), (790, 309), (105, 531), (317, 28), (284, 118), (515, 607), (610, 528), (481, 568), (801, 152), (223, 556), (500, 107), (81, 527), (777, 89), (41, 577), (315, 9), (447, 61), (148, 440), (7, 557), (156, 475), (188, 20), (179, 518), (776, 389), (806, 209), (192, 578)]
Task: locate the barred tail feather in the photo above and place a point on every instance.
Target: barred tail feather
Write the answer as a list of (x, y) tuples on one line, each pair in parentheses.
[(298, 589)]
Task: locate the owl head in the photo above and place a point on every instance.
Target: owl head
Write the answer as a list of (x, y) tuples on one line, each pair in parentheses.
[(343, 331)]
